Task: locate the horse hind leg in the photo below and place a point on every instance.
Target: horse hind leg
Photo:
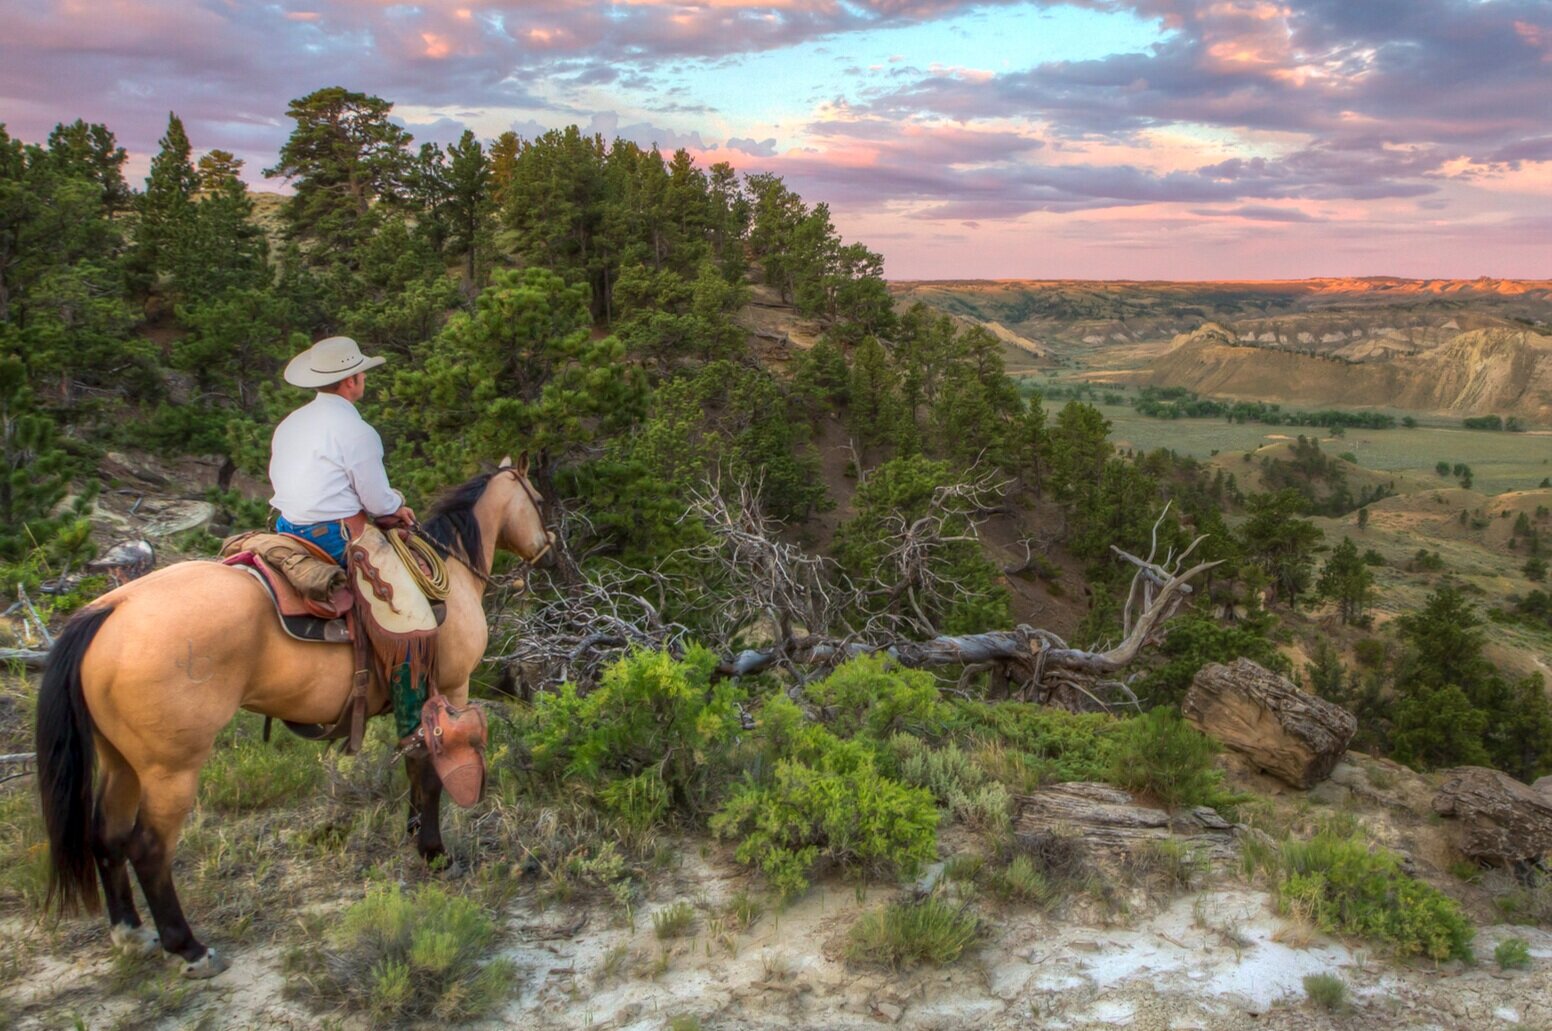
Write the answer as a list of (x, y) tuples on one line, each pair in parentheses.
[(165, 804), (113, 821)]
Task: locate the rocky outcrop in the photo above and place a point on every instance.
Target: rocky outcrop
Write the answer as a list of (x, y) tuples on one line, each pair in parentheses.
[(1292, 735), (1112, 825), (1500, 821)]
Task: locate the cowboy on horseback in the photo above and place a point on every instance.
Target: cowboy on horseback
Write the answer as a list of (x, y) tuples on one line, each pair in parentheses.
[(326, 461)]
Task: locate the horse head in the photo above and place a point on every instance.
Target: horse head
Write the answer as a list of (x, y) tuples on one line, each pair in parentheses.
[(520, 525)]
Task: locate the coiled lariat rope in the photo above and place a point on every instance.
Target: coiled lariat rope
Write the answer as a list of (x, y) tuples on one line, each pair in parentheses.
[(413, 550)]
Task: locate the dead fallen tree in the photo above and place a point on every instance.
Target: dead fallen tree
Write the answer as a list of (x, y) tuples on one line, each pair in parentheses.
[(30, 658), (767, 587)]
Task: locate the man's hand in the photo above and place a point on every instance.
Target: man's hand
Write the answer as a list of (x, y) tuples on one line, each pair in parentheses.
[(404, 517)]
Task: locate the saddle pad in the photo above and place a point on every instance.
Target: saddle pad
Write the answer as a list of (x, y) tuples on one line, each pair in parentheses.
[(387, 589), (309, 629)]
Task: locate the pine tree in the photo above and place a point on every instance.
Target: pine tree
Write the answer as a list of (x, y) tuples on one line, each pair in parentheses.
[(217, 168), (1281, 543), (504, 151), (90, 152), (166, 205), (521, 372), (469, 202), (1347, 580), (875, 415), (343, 155), (34, 469), (1079, 447), (903, 490)]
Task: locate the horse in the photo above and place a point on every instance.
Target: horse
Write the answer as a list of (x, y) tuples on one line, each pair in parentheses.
[(140, 683)]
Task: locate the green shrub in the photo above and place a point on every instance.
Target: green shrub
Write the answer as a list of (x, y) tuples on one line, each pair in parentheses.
[(959, 784), (1326, 992), (1512, 954), (1343, 887), (816, 797), (654, 734), (872, 697), (406, 957), (845, 814), (1022, 881), (933, 930), (1159, 753), (674, 921), (246, 774), (1035, 743)]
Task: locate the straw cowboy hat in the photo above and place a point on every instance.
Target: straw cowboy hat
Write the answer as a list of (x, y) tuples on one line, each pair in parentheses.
[(329, 361)]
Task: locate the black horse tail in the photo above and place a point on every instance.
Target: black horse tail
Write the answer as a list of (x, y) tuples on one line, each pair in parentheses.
[(67, 761)]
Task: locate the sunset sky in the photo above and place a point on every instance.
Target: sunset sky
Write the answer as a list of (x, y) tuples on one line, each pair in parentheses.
[(1104, 139)]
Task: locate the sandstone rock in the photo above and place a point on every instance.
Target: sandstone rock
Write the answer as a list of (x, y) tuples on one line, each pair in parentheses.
[(1110, 824), (1292, 735), (1544, 785), (1501, 820), (170, 517)]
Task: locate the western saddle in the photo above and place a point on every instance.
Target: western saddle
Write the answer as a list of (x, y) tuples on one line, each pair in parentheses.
[(387, 603)]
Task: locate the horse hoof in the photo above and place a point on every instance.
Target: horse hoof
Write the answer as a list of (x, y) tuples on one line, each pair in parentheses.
[(135, 941), (208, 965)]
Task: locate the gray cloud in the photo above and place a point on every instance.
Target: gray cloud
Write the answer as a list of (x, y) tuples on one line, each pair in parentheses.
[(755, 148), (1258, 213)]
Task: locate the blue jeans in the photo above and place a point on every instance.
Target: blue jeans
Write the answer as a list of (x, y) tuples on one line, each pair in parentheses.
[(331, 536)]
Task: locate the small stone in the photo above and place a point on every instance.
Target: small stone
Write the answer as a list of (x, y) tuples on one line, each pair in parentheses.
[(888, 1011), (1330, 793), (1348, 775)]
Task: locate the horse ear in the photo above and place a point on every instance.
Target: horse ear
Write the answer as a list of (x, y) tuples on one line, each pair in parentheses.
[(505, 463), (522, 464)]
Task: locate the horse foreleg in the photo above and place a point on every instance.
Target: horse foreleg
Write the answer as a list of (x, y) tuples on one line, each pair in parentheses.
[(425, 821), (165, 805), (113, 820)]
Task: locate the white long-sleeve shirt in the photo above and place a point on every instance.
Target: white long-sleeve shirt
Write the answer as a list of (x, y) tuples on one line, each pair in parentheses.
[(326, 463)]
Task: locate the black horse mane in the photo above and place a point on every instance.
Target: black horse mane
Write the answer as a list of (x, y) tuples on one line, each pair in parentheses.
[(452, 524)]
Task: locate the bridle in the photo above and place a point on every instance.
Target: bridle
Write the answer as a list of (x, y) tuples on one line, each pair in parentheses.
[(463, 560), (538, 504)]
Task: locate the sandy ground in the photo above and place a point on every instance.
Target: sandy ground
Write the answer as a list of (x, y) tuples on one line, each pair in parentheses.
[(1215, 960)]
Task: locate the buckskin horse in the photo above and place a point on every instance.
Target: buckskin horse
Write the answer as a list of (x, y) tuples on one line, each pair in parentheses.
[(141, 682)]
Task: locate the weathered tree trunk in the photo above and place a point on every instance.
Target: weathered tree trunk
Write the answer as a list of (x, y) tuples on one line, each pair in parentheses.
[(28, 657)]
